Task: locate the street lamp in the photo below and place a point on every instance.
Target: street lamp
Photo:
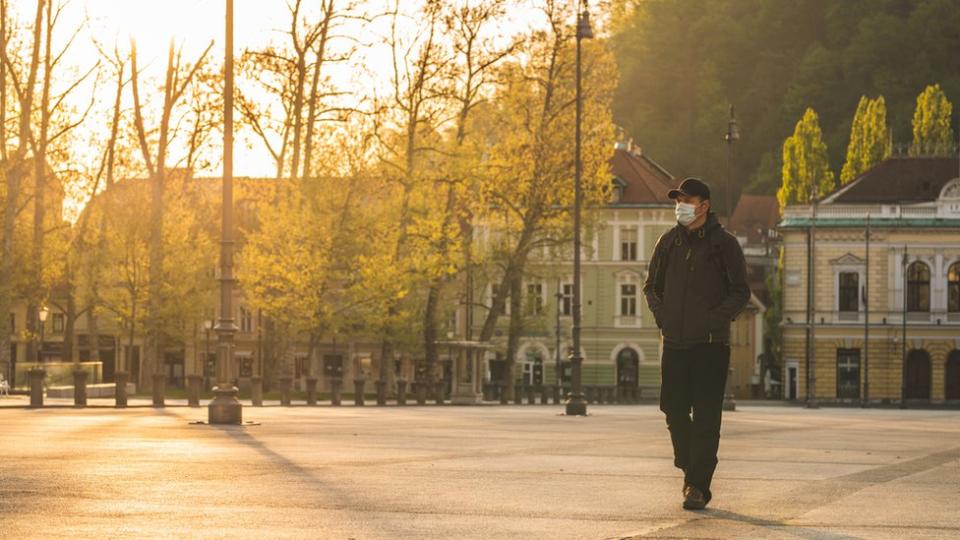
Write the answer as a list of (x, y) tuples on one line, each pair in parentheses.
[(207, 326), (576, 406), (225, 408), (42, 314), (559, 297), (732, 135)]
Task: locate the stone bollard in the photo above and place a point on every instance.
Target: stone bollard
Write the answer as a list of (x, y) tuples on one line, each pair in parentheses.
[(193, 390), (120, 388), (556, 394), (79, 388), (544, 395), (531, 395), (311, 391), (336, 390), (36, 386), (256, 391), (401, 392), (421, 389), (159, 389), (286, 384), (381, 393), (358, 388)]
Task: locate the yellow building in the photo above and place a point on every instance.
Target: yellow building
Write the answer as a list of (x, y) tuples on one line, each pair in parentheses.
[(897, 291)]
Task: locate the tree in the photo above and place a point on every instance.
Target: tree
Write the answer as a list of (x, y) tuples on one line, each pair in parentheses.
[(293, 77), (932, 134), (15, 164), (476, 56), (526, 184), (177, 79), (870, 139), (805, 163)]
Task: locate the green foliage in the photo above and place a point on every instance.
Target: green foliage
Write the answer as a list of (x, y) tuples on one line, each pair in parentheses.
[(682, 61), (869, 138), (932, 134), (805, 163)]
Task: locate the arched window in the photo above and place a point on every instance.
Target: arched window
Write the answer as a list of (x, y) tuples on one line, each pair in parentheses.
[(953, 288), (918, 287)]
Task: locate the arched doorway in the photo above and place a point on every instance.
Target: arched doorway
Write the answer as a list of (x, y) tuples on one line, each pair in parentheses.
[(628, 368), (952, 375), (917, 374)]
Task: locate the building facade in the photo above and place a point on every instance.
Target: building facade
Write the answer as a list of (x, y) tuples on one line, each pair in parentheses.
[(620, 341), (875, 316)]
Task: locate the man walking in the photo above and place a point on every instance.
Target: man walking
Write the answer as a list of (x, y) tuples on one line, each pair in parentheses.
[(695, 286)]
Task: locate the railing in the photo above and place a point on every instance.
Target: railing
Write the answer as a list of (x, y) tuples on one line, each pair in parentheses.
[(877, 318), (890, 211)]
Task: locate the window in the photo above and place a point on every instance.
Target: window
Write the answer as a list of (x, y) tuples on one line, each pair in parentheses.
[(58, 323), (953, 289), (246, 320), (566, 300), (628, 244), (534, 300), (849, 291), (628, 300), (848, 373), (918, 287)]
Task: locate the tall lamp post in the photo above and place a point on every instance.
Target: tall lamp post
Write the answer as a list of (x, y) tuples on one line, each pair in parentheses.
[(42, 314), (225, 408), (732, 136), (576, 405)]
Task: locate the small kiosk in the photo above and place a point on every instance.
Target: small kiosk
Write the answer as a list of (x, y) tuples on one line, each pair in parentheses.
[(467, 363)]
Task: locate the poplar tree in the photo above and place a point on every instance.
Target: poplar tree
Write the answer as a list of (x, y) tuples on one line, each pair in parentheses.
[(869, 138), (805, 163), (932, 134)]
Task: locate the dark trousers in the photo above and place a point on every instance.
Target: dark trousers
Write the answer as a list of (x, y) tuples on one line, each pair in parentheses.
[(692, 380)]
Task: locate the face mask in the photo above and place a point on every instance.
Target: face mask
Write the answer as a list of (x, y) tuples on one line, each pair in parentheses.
[(686, 213)]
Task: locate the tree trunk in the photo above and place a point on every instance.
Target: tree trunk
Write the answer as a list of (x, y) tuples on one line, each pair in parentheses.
[(516, 328), (69, 328)]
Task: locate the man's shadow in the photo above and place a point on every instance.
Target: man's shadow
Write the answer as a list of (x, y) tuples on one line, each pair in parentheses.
[(778, 525)]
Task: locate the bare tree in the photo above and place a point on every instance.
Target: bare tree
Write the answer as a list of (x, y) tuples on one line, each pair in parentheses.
[(294, 77)]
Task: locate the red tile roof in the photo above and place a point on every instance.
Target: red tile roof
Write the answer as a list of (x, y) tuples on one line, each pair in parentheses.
[(754, 216), (899, 179), (646, 181)]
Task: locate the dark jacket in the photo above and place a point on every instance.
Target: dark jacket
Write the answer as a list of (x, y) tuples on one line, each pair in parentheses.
[(696, 284)]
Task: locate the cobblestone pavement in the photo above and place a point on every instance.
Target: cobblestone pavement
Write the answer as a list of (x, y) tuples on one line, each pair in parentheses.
[(472, 472)]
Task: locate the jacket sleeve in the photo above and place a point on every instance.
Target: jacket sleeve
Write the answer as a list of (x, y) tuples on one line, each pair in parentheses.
[(652, 290), (738, 292)]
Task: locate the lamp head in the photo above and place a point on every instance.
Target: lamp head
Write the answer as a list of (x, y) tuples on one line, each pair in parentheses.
[(584, 31), (44, 313), (208, 324), (733, 133)]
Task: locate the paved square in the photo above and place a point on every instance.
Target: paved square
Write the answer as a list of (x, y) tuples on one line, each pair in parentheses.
[(472, 472)]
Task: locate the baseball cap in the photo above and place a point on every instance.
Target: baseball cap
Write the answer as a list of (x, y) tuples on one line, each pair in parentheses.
[(693, 187)]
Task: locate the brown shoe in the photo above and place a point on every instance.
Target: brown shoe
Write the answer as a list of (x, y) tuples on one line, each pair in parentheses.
[(693, 498)]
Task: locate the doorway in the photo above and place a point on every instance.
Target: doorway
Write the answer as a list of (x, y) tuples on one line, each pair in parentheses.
[(917, 374), (793, 381), (952, 375), (628, 368)]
